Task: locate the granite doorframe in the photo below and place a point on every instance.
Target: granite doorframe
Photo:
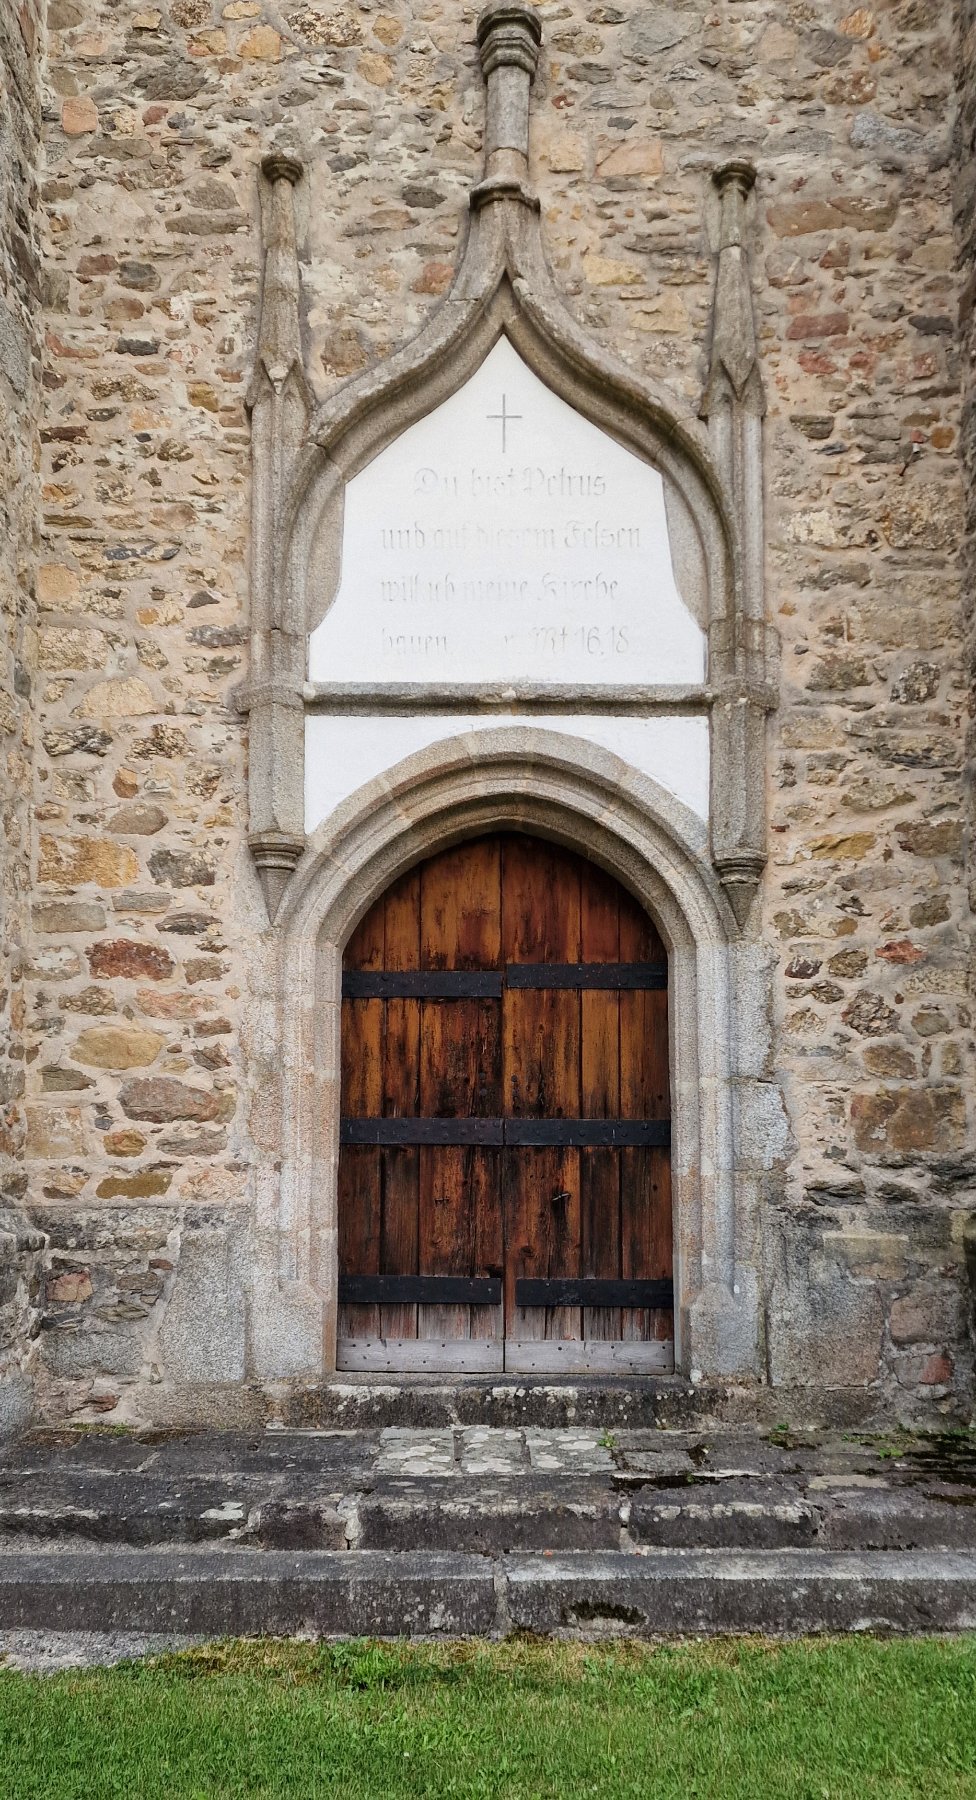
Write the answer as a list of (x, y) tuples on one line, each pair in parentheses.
[(577, 794)]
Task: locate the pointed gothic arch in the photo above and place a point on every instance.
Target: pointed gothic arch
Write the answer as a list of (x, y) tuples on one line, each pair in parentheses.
[(587, 799)]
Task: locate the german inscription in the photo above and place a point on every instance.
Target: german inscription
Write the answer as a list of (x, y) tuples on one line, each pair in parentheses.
[(504, 537)]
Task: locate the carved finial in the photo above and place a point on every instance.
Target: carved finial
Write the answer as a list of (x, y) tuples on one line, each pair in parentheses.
[(509, 32), (735, 353), (279, 351), (509, 35)]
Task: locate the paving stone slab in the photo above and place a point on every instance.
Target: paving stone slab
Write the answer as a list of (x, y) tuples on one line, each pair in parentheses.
[(48, 1652), (285, 1509), (36, 1451), (270, 1452), (783, 1593), (411, 1452), (575, 1450), (205, 1453), (487, 1450)]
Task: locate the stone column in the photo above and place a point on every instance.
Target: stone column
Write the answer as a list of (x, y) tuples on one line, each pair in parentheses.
[(280, 404), (734, 403), (509, 35)]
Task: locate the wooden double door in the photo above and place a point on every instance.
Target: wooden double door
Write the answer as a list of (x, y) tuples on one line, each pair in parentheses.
[(504, 1169)]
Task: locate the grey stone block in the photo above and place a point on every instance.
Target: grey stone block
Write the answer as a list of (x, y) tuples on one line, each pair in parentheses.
[(503, 1403), (202, 1336), (733, 1515), (298, 1522), (710, 1592), (249, 1593), (491, 1520), (15, 1403), (897, 1519)]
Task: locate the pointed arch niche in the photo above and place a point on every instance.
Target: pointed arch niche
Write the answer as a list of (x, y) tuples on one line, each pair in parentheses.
[(634, 733)]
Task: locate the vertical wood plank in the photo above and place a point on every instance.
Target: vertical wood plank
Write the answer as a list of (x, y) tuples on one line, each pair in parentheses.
[(541, 1054), (360, 1190), (460, 1205), (600, 1094), (645, 1092), (401, 1093)]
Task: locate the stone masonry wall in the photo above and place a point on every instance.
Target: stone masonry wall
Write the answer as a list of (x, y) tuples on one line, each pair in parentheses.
[(965, 167), (20, 295), (143, 1127)]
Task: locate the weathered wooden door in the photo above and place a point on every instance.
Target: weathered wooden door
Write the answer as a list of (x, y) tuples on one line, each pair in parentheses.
[(504, 1171)]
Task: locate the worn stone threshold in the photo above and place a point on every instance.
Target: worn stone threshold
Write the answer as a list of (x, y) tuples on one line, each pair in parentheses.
[(360, 1399)]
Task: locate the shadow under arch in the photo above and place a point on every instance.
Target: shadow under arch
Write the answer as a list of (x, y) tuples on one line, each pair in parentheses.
[(552, 785)]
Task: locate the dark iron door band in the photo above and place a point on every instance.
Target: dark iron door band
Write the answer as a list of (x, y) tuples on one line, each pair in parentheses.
[(421, 1131), (587, 975), (583, 1134), (422, 984), (487, 984), (590, 1291), (611, 1134), (423, 1290)]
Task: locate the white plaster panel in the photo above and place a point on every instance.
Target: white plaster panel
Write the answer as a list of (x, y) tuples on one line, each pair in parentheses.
[(343, 754), (505, 537)]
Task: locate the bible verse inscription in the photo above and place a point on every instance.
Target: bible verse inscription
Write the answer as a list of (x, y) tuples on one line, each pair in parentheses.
[(504, 537)]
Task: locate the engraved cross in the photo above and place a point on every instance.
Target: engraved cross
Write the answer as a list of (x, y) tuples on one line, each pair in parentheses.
[(506, 419)]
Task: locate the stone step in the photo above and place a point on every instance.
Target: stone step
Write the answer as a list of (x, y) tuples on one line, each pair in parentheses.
[(662, 1403), (486, 1490), (362, 1403), (351, 1506), (246, 1593)]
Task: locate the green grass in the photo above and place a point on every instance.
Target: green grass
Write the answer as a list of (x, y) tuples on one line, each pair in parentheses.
[(818, 1720)]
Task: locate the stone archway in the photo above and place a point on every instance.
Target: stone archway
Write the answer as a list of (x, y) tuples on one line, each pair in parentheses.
[(583, 797)]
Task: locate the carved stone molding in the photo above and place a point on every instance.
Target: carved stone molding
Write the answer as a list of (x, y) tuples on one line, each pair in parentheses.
[(303, 460)]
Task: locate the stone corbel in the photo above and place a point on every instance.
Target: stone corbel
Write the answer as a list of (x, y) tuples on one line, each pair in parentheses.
[(280, 404), (734, 404)]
